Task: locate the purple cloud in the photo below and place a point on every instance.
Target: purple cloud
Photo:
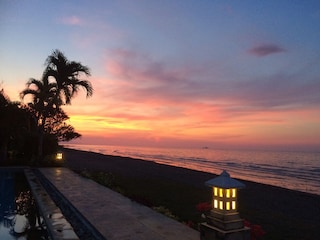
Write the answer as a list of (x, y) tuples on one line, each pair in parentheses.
[(265, 49)]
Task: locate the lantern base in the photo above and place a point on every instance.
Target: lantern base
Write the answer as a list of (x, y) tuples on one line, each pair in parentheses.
[(209, 232), (225, 221)]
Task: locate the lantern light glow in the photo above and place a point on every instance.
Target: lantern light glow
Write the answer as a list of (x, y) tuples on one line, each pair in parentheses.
[(59, 156)]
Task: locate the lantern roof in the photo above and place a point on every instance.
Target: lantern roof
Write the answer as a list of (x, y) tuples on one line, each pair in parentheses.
[(224, 181)]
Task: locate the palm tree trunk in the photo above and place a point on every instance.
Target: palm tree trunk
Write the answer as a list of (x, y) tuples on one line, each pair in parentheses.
[(4, 151), (40, 147), (40, 141)]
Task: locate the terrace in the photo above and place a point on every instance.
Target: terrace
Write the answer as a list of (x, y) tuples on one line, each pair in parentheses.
[(73, 207)]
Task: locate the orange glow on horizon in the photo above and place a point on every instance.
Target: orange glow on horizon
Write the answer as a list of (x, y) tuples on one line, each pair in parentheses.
[(99, 124), (166, 121), (261, 129)]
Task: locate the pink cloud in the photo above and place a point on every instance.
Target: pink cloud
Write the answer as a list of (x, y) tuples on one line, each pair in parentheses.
[(142, 91), (138, 76), (265, 49), (139, 79)]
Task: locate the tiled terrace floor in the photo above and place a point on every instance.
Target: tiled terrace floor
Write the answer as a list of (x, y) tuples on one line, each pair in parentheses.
[(113, 215)]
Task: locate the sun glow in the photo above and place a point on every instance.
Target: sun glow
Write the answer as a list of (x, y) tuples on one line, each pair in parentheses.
[(98, 123)]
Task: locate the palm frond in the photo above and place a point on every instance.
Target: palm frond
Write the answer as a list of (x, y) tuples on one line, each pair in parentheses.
[(66, 74)]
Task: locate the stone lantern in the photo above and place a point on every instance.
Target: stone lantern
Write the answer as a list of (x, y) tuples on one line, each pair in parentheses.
[(223, 221)]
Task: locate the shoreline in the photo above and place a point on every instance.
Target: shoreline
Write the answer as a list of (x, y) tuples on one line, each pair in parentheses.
[(281, 212), (291, 170)]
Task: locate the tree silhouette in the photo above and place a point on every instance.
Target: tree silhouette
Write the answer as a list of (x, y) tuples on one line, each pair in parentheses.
[(60, 82), (56, 126), (67, 75), (15, 122), (45, 103)]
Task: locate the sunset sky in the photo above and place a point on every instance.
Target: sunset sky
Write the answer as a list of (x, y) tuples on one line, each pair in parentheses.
[(177, 73)]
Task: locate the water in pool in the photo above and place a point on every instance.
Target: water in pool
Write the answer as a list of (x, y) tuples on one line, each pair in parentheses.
[(19, 217)]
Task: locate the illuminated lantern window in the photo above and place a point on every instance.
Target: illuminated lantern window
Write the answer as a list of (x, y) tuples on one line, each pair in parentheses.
[(227, 193), (224, 188), (233, 205), (234, 193), (215, 203), (227, 205), (220, 192), (220, 205), (215, 191)]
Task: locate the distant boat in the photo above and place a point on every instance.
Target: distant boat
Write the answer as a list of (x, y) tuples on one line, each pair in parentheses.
[(205, 147)]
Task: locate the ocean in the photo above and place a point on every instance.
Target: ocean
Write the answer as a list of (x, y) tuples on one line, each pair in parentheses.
[(292, 170)]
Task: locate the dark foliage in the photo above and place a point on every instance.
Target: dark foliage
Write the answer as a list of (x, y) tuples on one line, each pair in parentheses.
[(31, 132)]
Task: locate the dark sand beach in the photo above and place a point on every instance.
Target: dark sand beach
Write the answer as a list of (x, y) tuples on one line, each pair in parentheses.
[(283, 213)]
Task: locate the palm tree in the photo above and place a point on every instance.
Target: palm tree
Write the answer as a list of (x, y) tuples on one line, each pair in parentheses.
[(45, 103), (59, 84), (45, 98), (67, 75)]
